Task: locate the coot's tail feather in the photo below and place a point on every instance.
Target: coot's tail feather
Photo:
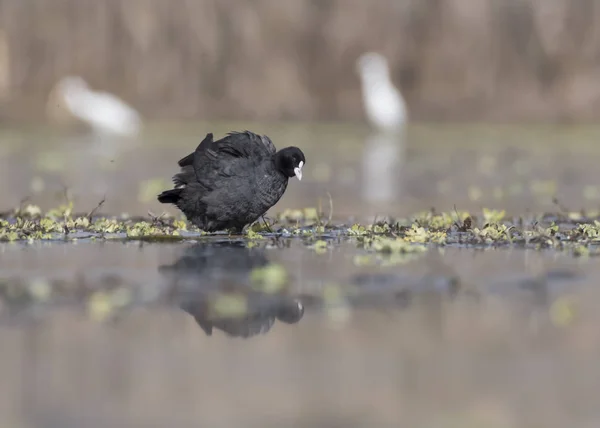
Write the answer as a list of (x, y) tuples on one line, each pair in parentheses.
[(186, 176), (170, 196)]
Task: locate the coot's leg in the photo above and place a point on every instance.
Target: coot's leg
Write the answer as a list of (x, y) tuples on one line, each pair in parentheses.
[(266, 223), (236, 230)]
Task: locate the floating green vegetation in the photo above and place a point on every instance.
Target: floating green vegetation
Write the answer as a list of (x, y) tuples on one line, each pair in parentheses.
[(575, 232), (320, 246), (305, 215), (223, 305), (422, 235), (438, 221), (29, 223), (271, 278), (251, 234), (563, 311), (392, 245), (103, 304)]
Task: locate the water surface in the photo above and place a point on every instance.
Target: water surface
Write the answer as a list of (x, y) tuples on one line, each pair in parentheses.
[(205, 333)]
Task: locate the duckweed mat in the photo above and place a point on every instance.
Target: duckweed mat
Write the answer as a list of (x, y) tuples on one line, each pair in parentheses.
[(256, 291), (576, 232)]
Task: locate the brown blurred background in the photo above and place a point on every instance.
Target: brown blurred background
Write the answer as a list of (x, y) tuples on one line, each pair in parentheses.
[(294, 59)]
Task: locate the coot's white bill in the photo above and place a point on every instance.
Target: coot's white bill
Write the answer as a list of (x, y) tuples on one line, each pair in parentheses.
[(298, 170)]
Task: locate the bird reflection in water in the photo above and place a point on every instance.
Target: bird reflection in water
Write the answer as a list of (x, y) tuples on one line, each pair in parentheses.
[(212, 283), (383, 158)]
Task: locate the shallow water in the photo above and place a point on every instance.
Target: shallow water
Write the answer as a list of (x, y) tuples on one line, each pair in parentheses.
[(440, 166), (115, 333)]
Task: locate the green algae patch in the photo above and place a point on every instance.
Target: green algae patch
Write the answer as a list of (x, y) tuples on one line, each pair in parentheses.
[(438, 221), (357, 230), (575, 232), (422, 235), (393, 246), (104, 304), (251, 234), (269, 279), (305, 215), (229, 305), (320, 246), (143, 229), (31, 223)]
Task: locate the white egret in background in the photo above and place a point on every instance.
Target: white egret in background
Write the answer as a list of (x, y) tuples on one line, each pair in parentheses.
[(105, 113), (110, 119), (383, 103)]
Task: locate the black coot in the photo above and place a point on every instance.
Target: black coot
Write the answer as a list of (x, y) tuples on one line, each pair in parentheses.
[(231, 182)]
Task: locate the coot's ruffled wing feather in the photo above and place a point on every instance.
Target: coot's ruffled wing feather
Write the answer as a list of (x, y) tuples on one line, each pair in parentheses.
[(204, 144), (188, 167), (244, 144), (233, 155)]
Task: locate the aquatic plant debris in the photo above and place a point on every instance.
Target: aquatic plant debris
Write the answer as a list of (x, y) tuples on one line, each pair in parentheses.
[(576, 232), (269, 279)]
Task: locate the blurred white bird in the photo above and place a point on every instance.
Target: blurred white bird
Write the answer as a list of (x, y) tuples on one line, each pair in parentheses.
[(104, 112), (384, 105)]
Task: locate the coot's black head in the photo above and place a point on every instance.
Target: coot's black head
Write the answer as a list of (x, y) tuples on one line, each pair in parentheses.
[(290, 311), (290, 161)]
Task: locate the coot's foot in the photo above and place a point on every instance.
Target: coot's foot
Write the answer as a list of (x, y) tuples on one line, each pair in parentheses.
[(236, 231)]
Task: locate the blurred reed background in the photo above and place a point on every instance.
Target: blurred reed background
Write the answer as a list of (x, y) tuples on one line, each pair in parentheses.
[(294, 59)]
